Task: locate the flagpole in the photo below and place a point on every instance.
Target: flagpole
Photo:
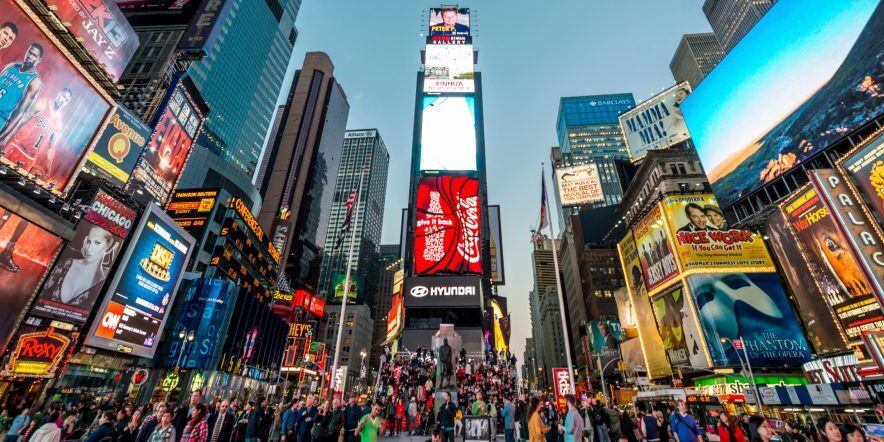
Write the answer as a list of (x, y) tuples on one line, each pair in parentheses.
[(331, 383), (559, 289)]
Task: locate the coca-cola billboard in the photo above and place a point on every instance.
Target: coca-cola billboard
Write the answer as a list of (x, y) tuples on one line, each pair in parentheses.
[(447, 226)]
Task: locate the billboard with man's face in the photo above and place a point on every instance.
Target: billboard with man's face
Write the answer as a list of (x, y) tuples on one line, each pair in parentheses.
[(703, 239), (449, 25), (807, 74), (49, 112)]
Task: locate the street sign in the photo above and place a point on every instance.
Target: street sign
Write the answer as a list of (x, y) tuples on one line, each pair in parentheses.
[(738, 344)]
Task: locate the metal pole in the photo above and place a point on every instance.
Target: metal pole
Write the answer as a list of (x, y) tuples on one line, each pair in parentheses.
[(559, 290), (331, 383), (752, 376), (602, 377)]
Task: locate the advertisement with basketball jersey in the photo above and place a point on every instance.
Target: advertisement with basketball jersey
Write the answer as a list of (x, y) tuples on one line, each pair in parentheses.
[(144, 287), (26, 251), (49, 112), (447, 226), (118, 147), (166, 153)]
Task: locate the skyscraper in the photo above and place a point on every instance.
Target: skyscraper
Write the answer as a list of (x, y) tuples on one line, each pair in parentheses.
[(695, 57), (390, 262), (298, 187), (364, 150), (732, 19), (589, 132)]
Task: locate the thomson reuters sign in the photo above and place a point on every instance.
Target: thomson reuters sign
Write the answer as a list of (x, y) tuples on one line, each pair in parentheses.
[(443, 291)]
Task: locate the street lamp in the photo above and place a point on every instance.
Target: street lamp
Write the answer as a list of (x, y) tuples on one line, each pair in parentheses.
[(362, 368), (602, 374), (744, 367), (185, 336)]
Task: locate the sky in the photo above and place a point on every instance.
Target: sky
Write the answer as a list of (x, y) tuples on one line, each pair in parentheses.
[(530, 54)]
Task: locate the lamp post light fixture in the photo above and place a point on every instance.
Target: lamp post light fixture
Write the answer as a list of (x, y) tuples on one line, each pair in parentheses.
[(747, 368)]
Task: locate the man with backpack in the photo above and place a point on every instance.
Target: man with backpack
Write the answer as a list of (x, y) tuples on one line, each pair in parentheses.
[(684, 425)]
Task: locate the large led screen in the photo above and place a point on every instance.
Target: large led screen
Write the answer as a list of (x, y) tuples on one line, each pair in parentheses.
[(831, 266), (166, 153), (751, 306), (75, 282), (26, 251), (48, 111), (119, 147), (449, 68), (447, 226), (449, 22), (103, 30), (143, 289), (807, 74), (448, 133)]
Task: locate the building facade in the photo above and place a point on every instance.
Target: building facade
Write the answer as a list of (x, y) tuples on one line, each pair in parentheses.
[(363, 150), (390, 261), (731, 20), (355, 342), (298, 187), (695, 57)]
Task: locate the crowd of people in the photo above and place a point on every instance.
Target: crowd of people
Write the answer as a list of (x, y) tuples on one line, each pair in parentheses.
[(483, 402)]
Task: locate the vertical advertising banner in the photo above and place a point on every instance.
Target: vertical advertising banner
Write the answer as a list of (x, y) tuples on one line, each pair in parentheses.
[(703, 239), (865, 169), (26, 251), (103, 30), (656, 123), (678, 327), (448, 133), (447, 226), (657, 260), (498, 276), (119, 146), (832, 266), (207, 304), (49, 112), (819, 321), (204, 29), (562, 381), (751, 306), (75, 282), (449, 68), (166, 153), (144, 287), (579, 185)]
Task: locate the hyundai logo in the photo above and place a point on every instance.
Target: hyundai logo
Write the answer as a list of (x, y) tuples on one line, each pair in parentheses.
[(419, 291)]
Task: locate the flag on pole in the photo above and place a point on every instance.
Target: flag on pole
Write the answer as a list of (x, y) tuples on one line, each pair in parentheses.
[(345, 227), (538, 233)]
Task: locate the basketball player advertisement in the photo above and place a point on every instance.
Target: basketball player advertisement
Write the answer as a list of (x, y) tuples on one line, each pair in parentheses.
[(48, 111), (447, 226), (655, 254), (76, 280), (26, 251), (832, 267), (166, 153), (703, 240)]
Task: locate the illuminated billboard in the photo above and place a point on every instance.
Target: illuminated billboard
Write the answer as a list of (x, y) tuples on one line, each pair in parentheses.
[(26, 250), (805, 76), (447, 226), (579, 185), (191, 209), (75, 282), (819, 322), (119, 146), (832, 267), (449, 25), (677, 323), (206, 306), (448, 133), (865, 169), (655, 254), (752, 307), (144, 287), (652, 345), (166, 153), (49, 112), (703, 239), (656, 123), (102, 29), (356, 292), (449, 68), (496, 267)]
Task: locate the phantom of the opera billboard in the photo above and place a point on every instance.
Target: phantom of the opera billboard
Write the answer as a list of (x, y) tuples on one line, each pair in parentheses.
[(447, 226), (804, 77), (656, 123), (49, 111)]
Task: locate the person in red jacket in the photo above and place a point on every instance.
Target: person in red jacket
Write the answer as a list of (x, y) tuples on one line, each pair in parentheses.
[(728, 430), (400, 414)]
